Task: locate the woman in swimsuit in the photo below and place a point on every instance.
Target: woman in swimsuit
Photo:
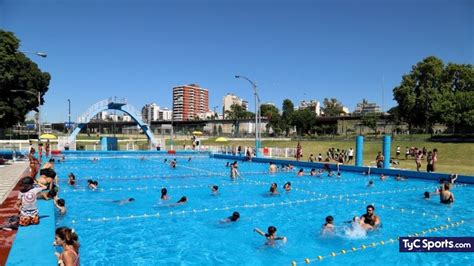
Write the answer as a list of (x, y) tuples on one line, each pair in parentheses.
[(68, 240)]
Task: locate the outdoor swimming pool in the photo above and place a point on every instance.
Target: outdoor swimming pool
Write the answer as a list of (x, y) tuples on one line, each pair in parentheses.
[(147, 232)]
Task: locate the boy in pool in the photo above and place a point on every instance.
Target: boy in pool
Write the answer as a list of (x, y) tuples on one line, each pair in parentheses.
[(214, 189), (287, 186), (92, 184), (328, 227), (61, 205), (233, 218), (271, 235)]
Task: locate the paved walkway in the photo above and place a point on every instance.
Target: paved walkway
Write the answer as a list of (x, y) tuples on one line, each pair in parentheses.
[(9, 177)]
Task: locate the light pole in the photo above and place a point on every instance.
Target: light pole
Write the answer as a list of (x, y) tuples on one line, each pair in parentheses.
[(39, 107), (69, 116), (257, 111)]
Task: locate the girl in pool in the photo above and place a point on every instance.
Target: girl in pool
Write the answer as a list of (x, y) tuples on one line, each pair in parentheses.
[(271, 235), (68, 240), (274, 189), (287, 186), (71, 179)]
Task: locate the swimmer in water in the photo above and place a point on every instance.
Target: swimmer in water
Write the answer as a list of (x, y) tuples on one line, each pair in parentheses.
[(400, 178), (369, 221), (189, 159), (271, 235), (274, 189), (383, 177), (312, 172), (300, 172), (287, 186), (164, 194), (71, 179), (233, 218), (426, 195), (124, 201), (371, 183), (328, 227), (214, 189), (92, 184), (272, 168)]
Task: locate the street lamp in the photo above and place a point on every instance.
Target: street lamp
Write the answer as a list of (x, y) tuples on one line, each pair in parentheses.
[(69, 116), (39, 107), (257, 111)]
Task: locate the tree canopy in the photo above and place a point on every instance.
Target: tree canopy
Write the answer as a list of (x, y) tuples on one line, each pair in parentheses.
[(18, 74), (436, 93), (331, 107)]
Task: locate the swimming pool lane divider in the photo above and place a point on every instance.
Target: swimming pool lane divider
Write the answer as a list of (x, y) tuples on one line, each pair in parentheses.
[(157, 187), (378, 243), (194, 211)]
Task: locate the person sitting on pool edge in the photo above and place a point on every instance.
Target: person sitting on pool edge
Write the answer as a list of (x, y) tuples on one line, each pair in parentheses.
[(446, 196), (271, 235), (370, 221), (164, 194), (233, 218)]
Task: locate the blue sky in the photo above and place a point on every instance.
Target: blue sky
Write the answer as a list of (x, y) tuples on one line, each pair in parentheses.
[(291, 49)]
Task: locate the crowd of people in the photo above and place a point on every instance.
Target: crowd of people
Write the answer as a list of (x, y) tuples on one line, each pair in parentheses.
[(45, 187)]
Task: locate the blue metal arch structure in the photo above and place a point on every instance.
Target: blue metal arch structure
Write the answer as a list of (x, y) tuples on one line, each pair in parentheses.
[(113, 103)]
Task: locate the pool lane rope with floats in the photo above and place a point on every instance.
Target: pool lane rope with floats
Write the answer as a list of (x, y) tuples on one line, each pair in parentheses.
[(158, 188), (246, 206), (377, 243)]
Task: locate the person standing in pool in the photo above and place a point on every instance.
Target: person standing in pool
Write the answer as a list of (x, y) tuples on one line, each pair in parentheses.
[(164, 194), (271, 235), (274, 189), (328, 227), (446, 196), (233, 171), (370, 221), (272, 168)]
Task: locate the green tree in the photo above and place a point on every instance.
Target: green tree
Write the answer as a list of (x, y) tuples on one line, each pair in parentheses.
[(435, 93), (331, 107), (18, 72), (236, 113), (287, 119), (370, 121), (272, 113), (304, 120), (418, 91)]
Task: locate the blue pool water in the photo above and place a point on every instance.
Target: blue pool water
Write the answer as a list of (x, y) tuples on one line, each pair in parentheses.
[(148, 232)]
